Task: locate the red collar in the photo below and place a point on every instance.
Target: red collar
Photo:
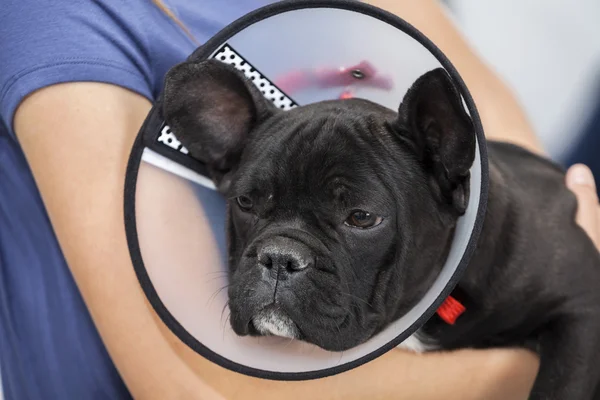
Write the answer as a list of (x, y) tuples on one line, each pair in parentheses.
[(450, 310)]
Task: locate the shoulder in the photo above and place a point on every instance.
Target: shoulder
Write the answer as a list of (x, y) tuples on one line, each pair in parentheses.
[(109, 41)]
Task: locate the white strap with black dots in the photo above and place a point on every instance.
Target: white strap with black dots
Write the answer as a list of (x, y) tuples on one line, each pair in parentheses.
[(227, 55)]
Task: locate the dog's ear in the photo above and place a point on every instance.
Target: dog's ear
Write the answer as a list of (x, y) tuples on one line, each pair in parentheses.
[(434, 120), (212, 108)]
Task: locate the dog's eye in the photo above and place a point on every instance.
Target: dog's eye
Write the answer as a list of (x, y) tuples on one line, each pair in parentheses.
[(245, 203), (363, 219)]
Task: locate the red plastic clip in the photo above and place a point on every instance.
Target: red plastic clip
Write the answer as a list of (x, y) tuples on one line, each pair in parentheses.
[(450, 310), (346, 95)]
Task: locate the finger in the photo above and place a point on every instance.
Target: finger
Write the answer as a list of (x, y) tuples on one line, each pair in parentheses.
[(581, 182)]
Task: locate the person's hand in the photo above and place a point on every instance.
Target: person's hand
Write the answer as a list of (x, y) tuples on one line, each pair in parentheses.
[(581, 182)]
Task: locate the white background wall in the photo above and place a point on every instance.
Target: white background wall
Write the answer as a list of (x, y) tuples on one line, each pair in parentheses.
[(548, 51)]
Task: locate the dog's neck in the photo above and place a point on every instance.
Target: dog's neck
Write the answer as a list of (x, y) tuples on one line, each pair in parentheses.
[(497, 238), (496, 246)]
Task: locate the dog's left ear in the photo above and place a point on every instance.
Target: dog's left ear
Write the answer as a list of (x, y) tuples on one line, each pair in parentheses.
[(434, 120), (212, 108)]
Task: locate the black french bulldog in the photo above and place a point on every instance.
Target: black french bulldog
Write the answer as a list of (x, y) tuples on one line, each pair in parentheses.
[(341, 214)]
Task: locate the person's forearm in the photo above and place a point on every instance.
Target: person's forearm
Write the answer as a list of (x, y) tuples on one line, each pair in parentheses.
[(461, 375), (502, 117), (464, 375)]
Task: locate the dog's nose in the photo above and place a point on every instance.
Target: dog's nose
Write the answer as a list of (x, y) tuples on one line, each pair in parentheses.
[(285, 255)]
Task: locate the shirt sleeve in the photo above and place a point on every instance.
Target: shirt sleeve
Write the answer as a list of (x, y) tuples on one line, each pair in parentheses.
[(48, 42)]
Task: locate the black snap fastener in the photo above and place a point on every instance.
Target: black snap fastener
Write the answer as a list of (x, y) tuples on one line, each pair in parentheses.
[(358, 74)]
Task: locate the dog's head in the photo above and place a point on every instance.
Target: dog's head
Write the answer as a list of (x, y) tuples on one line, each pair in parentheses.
[(340, 213)]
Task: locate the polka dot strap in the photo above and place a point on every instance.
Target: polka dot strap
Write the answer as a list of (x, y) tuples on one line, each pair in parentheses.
[(227, 55)]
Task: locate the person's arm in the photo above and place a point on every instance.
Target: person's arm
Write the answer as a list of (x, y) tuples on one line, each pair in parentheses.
[(77, 138), (397, 375), (502, 117)]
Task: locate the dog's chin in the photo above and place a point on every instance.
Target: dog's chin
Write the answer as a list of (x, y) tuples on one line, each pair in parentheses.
[(273, 321)]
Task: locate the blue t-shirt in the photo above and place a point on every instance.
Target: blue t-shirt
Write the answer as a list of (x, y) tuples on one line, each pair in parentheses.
[(49, 347)]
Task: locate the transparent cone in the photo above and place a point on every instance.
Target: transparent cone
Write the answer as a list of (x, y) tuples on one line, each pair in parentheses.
[(176, 220)]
